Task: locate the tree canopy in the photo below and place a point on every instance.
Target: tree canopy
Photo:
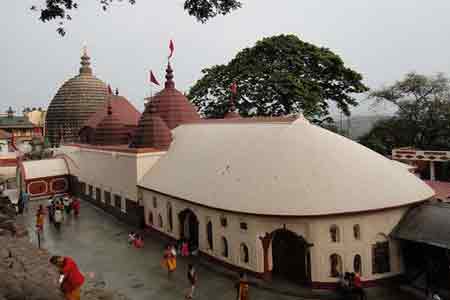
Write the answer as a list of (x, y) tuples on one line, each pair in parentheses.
[(422, 119), (202, 10), (280, 75)]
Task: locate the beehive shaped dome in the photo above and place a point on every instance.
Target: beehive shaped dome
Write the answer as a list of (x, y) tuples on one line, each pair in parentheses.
[(76, 100), (111, 131), (152, 131), (173, 107)]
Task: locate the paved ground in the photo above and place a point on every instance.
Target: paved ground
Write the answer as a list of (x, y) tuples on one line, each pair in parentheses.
[(98, 243)]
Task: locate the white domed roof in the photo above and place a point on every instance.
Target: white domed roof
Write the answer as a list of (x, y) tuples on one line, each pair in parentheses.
[(296, 169)]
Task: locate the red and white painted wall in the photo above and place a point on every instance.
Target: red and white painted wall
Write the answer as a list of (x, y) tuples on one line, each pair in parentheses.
[(43, 178)]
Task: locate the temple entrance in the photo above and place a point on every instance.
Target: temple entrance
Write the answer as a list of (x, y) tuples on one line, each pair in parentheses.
[(189, 227), (291, 258)]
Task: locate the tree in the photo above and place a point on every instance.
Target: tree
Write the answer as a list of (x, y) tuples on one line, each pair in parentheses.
[(280, 75), (202, 10), (422, 119)]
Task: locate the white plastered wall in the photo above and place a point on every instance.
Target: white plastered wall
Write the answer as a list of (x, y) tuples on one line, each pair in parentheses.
[(314, 230)]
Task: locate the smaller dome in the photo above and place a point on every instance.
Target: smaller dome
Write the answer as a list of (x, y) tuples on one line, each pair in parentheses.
[(152, 131), (110, 131), (173, 107)]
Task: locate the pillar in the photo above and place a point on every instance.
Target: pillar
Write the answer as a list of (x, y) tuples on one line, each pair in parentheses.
[(432, 171), (266, 240)]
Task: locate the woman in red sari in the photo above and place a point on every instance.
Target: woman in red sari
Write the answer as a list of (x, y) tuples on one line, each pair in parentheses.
[(72, 279)]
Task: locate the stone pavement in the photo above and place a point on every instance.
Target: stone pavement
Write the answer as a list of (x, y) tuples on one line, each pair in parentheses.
[(98, 242)]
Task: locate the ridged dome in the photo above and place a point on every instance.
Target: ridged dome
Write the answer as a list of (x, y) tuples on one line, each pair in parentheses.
[(152, 131), (74, 103), (111, 131), (174, 107)]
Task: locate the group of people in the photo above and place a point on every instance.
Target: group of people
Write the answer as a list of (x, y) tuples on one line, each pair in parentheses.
[(57, 207), (135, 239), (350, 284)]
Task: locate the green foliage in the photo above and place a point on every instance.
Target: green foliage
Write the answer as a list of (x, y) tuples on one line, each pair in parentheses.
[(422, 119), (280, 75), (202, 10)]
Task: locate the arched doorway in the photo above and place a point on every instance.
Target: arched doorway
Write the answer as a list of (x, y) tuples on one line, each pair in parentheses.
[(290, 256), (189, 227)]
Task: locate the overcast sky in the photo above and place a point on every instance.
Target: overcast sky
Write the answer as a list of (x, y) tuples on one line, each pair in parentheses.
[(381, 39)]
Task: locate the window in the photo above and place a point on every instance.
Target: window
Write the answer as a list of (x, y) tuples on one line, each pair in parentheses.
[(357, 264), (380, 255), (107, 196), (209, 235), (150, 218), (117, 201), (356, 232), (155, 202), (169, 216), (335, 265), (243, 226), (98, 194), (82, 188), (223, 221), (91, 191), (244, 253), (160, 221), (334, 234), (224, 247)]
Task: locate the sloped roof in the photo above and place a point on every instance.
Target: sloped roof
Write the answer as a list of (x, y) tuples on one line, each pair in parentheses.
[(428, 223), (44, 168), (282, 169), (124, 111)]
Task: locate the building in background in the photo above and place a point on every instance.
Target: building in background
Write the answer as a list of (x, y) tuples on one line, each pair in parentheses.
[(37, 117), (22, 130)]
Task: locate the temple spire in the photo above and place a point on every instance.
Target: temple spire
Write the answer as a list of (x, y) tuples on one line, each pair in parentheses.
[(169, 77), (85, 63)]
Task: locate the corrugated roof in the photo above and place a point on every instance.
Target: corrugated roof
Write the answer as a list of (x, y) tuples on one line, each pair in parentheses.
[(428, 223), (44, 168), (280, 169)]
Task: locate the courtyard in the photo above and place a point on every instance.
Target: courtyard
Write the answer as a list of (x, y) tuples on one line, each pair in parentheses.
[(98, 242)]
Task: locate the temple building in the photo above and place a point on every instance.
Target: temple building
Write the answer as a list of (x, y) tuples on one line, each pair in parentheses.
[(272, 196), (20, 127), (74, 103)]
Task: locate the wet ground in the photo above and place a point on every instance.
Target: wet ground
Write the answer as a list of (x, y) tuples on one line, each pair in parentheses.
[(98, 242)]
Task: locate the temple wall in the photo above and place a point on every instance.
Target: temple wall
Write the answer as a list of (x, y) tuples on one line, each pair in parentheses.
[(315, 230)]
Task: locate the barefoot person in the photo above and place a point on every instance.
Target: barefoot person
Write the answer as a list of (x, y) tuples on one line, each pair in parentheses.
[(40, 218), (71, 277), (170, 260), (192, 277)]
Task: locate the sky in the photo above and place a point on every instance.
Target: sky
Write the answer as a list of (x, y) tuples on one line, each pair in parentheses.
[(383, 40)]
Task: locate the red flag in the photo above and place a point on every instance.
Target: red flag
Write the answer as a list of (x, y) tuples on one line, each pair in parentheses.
[(153, 78), (109, 90), (233, 88), (171, 48)]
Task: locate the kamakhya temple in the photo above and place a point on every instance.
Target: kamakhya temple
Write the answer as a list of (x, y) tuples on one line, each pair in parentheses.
[(273, 196)]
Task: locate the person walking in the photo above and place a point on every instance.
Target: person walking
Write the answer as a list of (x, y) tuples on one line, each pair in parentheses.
[(242, 287), (71, 278), (76, 207), (40, 217), (192, 277), (170, 260), (25, 198), (58, 217), (357, 287)]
